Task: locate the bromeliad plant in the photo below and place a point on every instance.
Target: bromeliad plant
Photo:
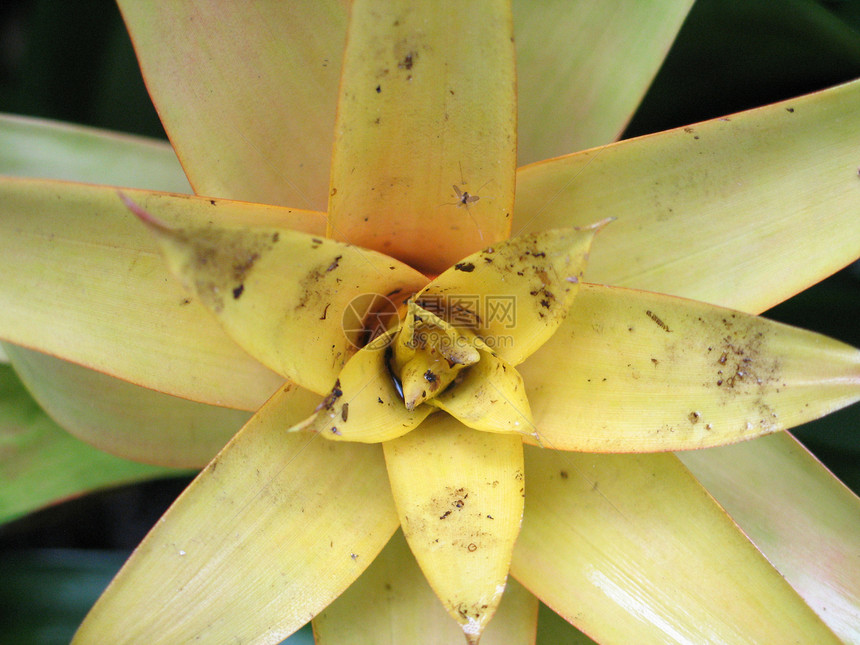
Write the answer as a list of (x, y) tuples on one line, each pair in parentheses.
[(497, 335)]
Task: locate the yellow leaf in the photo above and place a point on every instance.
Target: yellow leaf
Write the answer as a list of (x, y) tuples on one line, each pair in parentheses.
[(583, 69), (636, 371), (125, 419), (78, 255), (515, 294), (802, 518), (425, 143), (490, 397), (631, 549), (365, 404), (251, 123), (459, 494), (742, 211), (281, 294), (273, 530), (429, 353), (391, 604)]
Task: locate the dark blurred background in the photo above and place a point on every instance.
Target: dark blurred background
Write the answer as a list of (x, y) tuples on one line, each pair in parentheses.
[(72, 61)]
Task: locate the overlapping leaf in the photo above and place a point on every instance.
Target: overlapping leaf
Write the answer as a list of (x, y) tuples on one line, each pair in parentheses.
[(584, 68), (631, 549), (269, 533), (638, 371), (392, 603), (125, 419), (247, 94), (91, 287), (461, 516), (743, 211), (425, 145), (41, 464), (50, 150)]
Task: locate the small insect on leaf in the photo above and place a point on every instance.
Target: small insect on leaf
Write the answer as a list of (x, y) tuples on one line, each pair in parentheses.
[(464, 198)]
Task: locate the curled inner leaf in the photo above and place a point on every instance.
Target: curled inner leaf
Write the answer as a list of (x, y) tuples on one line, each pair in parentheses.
[(458, 343)]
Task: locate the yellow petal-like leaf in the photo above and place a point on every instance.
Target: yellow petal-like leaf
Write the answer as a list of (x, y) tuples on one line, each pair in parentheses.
[(89, 285), (52, 150), (459, 494), (490, 396), (515, 294), (799, 515), (364, 404), (584, 67), (636, 371), (778, 213), (425, 143), (41, 464), (271, 532), (125, 419), (247, 94), (631, 549), (391, 603), (281, 294), (743, 211)]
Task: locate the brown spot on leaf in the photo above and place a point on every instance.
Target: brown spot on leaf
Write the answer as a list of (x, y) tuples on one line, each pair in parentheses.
[(332, 397), (408, 60), (219, 260), (657, 321), (334, 264)]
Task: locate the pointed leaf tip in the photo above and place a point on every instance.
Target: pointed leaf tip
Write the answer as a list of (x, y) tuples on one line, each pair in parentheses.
[(459, 494), (515, 294), (143, 215), (281, 294)]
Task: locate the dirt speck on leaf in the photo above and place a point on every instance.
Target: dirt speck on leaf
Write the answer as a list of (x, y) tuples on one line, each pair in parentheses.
[(219, 261)]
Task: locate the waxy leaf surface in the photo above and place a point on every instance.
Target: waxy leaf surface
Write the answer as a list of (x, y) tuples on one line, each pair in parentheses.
[(269, 533), (282, 294), (91, 287), (459, 494), (247, 94), (424, 156), (702, 210), (794, 159), (585, 67), (391, 603), (803, 518), (364, 404), (630, 548), (513, 295), (642, 372)]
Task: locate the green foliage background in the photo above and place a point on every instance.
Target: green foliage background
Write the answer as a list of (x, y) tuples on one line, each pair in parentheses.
[(72, 61)]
